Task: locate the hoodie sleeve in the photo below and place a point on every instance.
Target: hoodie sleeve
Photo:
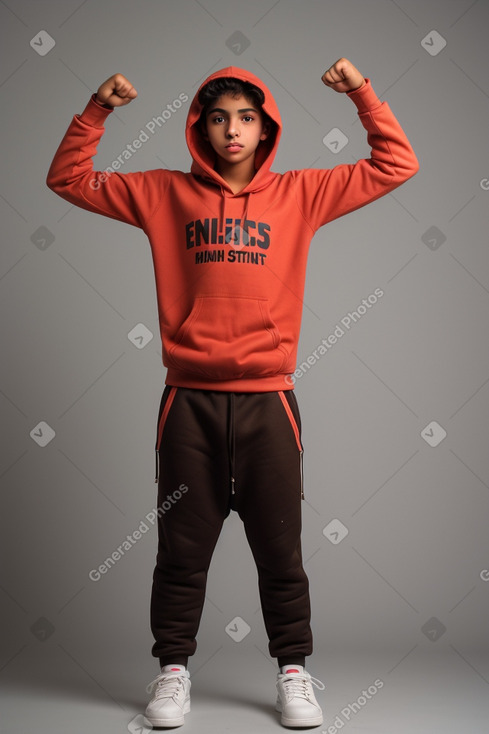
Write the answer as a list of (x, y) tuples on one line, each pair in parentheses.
[(129, 197), (324, 195)]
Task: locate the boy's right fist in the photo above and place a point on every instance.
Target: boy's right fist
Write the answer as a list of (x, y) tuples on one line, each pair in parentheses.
[(116, 91)]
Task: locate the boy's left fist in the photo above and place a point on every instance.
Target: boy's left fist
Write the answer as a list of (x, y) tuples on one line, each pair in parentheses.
[(343, 77)]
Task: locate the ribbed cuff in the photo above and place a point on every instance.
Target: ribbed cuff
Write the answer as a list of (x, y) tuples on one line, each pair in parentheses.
[(95, 113), (176, 659), (364, 98), (292, 660)]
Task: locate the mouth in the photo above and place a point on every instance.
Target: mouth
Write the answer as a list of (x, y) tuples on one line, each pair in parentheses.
[(233, 147)]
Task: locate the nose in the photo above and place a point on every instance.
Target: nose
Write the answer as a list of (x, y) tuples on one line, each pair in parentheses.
[(233, 131)]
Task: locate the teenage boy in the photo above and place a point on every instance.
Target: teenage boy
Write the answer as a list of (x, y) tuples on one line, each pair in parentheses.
[(230, 242)]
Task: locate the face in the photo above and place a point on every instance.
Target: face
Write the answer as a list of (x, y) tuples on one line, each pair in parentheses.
[(234, 128)]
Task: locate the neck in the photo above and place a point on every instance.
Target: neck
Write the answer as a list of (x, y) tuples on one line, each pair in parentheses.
[(237, 175)]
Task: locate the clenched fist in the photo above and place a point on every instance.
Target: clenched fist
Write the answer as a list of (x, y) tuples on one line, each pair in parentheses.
[(343, 77), (117, 91)]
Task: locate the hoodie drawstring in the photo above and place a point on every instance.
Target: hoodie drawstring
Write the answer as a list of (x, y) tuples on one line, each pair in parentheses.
[(230, 236), (246, 206)]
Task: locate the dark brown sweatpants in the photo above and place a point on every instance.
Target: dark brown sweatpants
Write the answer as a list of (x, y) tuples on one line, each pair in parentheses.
[(216, 452)]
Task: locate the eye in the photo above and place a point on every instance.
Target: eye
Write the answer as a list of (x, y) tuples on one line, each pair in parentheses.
[(248, 118), (218, 119)]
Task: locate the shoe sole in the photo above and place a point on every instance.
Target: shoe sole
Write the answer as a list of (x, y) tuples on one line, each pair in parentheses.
[(296, 723), (168, 723), (312, 721)]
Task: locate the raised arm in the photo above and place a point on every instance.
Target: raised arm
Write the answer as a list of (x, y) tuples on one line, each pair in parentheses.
[(128, 197), (326, 194)]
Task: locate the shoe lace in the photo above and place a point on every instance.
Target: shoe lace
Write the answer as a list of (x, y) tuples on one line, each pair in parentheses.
[(167, 685), (300, 685)]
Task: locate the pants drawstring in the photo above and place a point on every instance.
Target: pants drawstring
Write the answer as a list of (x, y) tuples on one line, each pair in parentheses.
[(231, 441)]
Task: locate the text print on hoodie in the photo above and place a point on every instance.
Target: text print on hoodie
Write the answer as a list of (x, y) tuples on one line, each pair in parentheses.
[(230, 268)]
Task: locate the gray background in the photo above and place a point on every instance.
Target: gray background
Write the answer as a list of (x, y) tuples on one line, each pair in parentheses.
[(404, 596)]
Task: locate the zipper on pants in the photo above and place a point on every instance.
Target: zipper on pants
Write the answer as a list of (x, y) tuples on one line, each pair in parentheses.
[(163, 414), (298, 441)]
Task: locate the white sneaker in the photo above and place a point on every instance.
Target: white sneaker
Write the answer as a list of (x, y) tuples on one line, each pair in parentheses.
[(296, 700), (172, 697)]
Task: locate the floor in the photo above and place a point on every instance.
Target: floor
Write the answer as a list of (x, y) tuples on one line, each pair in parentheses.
[(422, 692)]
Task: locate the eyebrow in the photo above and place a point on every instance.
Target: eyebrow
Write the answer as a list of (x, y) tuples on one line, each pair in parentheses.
[(219, 109)]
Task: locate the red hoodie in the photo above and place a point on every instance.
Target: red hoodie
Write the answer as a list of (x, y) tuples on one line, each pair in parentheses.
[(230, 268)]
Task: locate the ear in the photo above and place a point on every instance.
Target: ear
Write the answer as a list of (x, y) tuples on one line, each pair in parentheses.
[(266, 130)]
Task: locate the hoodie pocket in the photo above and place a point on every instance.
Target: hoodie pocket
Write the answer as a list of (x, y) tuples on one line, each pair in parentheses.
[(228, 337)]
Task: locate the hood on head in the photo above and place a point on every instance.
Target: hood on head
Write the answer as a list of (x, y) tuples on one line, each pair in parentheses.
[(203, 155)]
